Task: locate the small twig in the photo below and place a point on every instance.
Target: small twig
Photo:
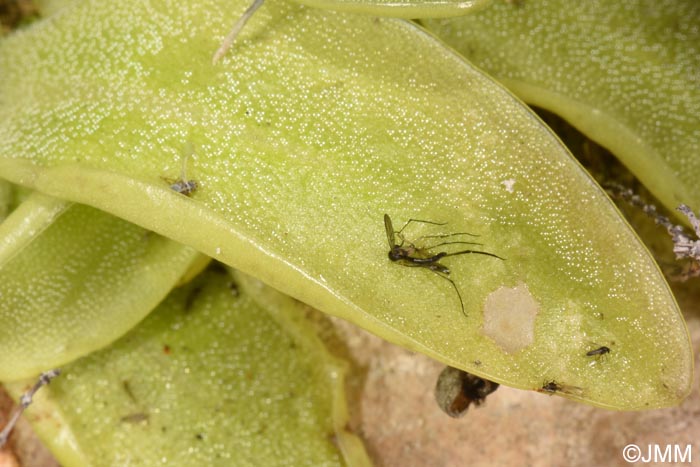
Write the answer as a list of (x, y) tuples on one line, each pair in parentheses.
[(683, 245), (24, 401), (231, 37)]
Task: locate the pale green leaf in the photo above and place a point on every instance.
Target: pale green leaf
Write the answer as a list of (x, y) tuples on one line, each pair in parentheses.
[(627, 74), (402, 8), (73, 279), (304, 136), (208, 379), (6, 199)]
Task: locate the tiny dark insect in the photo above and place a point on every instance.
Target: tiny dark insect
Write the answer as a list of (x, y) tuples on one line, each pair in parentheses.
[(137, 417), (552, 387), (184, 187), (412, 256), (456, 390), (599, 351)]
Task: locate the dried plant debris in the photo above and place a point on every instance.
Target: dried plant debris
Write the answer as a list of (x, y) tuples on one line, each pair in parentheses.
[(230, 38), (684, 246), (456, 390), (24, 402)]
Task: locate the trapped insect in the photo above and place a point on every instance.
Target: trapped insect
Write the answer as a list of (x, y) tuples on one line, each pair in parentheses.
[(136, 417), (552, 387), (406, 253), (599, 351), (456, 390), (183, 185)]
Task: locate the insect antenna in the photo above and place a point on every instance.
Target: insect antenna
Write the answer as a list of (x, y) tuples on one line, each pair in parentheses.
[(450, 235), (422, 222)]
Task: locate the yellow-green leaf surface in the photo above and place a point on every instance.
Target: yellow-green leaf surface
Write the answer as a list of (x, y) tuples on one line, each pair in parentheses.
[(11, 196), (73, 279), (402, 8), (6, 199), (625, 73), (208, 379), (314, 127)]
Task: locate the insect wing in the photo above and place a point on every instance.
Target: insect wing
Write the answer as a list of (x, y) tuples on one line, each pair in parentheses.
[(389, 231)]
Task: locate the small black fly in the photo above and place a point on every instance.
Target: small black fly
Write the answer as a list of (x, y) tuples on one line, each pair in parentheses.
[(599, 351)]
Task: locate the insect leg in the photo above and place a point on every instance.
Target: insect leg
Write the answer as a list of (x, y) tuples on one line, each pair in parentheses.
[(465, 252), (452, 243), (444, 276)]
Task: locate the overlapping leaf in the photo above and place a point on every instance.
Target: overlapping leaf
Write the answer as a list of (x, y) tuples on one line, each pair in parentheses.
[(73, 279), (625, 73), (314, 127), (209, 378), (403, 8)]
